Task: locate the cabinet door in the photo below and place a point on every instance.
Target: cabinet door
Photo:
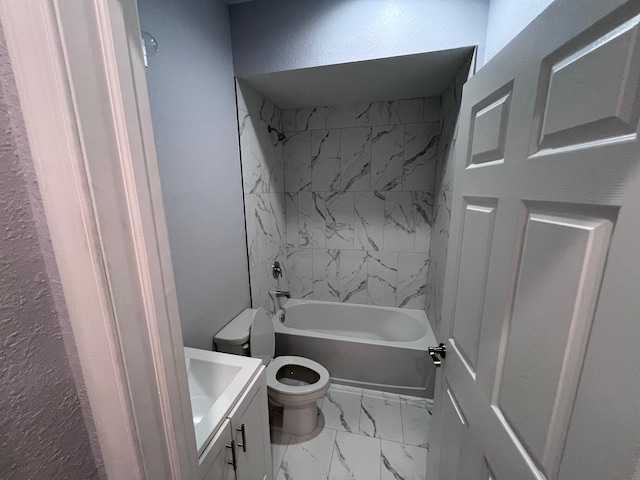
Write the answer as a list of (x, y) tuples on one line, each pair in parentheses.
[(250, 422), (216, 462)]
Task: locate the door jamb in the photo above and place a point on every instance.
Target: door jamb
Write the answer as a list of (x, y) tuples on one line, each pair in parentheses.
[(80, 77)]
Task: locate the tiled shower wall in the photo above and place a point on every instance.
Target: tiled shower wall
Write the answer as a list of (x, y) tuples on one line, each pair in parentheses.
[(356, 203), (450, 107), (359, 183), (263, 186)]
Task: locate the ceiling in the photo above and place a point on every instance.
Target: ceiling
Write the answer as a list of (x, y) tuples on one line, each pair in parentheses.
[(408, 76)]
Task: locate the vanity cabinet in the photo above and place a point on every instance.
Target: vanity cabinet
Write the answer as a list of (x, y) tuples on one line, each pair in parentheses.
[(250, 424), (217, 460), (243, 439)]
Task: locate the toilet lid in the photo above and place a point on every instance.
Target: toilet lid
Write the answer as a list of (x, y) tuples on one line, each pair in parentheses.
[(262, 337)]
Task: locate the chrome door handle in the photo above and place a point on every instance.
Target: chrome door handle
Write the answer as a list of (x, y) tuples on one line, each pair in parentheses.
[(440, 350), (233, 455), (244, 440)]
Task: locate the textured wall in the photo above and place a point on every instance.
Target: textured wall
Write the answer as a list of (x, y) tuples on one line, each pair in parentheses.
[(449, 109), (192, 92), (359, 194), (42, 429), (506, 19), (277, 35)]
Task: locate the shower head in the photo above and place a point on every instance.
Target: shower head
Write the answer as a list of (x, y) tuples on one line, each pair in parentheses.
[(281, 137)]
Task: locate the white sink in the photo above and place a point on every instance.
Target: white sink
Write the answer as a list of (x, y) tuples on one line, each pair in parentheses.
[(216, 380)]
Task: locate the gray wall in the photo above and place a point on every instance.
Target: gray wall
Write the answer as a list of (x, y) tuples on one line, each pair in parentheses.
[(43, 434), (507, 18), (191, 86), (277, 35)]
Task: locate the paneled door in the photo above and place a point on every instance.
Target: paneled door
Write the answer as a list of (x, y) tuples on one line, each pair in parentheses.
[(541, 314)]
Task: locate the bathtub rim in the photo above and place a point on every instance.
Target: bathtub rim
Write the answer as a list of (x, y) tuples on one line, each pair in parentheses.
[(422, 343)]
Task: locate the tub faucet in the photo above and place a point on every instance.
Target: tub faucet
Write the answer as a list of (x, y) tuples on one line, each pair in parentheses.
[(282, 293)]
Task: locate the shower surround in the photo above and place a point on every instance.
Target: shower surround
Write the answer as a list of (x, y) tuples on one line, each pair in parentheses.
[(450, 107), (263, 186), (359, 183), (346, 202)]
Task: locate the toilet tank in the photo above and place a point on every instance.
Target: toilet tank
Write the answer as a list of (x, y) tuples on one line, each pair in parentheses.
[(234, 337)]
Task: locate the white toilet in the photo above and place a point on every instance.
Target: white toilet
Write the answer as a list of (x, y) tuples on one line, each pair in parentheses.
[(295, 383)]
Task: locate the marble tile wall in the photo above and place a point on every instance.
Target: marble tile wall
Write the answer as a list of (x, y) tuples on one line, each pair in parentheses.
[(355, 203), (263, 184), (443, 190), (359, 185)]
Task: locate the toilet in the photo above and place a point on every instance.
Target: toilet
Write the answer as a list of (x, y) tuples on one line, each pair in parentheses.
[(294, 383)]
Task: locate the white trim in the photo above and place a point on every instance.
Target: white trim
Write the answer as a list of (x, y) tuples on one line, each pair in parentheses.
[(80, 77)]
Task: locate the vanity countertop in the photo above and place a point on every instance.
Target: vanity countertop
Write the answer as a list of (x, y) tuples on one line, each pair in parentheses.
[(216, 381)]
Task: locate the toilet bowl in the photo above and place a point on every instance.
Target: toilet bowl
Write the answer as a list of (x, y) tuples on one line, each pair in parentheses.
[(293, 383)]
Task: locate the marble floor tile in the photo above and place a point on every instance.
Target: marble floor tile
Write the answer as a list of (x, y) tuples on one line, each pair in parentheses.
[(279, 444), (402, 462), (355, 457), (344, 446), (380, 415), (341, 408), (310, 459), (416, 420)]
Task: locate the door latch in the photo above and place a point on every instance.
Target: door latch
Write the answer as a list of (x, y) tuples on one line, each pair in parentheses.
[(440, 350)]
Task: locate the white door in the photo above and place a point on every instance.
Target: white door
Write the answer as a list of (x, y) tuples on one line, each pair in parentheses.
[(541, 315)]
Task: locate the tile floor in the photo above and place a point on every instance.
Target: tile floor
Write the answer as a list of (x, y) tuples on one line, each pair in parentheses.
[(363, 434)]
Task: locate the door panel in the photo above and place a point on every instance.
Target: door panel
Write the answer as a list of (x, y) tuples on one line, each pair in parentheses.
[(454, 436), (600, 81), (463, 459), (539, 309), (479, 217), (490, 129), (560, 270)]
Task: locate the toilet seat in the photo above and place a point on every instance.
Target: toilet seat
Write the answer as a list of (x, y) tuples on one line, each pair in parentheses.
[(263, 345), (277, 363), (294, 384)]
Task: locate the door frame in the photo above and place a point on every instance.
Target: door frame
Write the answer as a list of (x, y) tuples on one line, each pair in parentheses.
[(81, 84)]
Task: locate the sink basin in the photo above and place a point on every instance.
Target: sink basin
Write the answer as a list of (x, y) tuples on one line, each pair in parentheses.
[(207, 382), (216, 380)]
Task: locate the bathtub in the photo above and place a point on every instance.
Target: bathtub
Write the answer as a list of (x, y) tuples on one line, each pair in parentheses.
[(366, 346)]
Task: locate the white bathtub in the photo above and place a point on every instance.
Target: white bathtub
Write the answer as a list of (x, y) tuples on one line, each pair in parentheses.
[(382, 348)]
